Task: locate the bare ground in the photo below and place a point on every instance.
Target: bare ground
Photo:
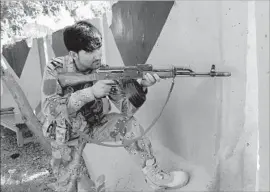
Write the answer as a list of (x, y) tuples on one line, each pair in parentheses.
[(24, 169)]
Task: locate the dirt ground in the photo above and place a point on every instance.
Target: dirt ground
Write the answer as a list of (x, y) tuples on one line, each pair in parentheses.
[(24, 169)]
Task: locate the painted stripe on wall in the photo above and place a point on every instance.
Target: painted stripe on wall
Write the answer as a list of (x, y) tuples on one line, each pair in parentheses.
[(16, 55), (113, 56), (136, 26), (49, 50), (42, 53), (30, 79), (6, 98), (58, 45)]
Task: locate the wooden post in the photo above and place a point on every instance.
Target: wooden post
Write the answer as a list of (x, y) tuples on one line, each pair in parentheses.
[(27, 113)]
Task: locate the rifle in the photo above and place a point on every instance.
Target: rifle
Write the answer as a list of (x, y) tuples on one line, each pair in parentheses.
[(133, 72)]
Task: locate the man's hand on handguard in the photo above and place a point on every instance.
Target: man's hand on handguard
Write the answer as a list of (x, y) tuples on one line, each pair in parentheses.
[(149, 80)]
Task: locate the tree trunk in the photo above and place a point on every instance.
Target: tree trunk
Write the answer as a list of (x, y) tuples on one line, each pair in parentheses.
[(27, 113)]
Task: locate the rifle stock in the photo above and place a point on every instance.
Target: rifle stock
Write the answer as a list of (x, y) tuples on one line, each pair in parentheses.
[(133, 72)]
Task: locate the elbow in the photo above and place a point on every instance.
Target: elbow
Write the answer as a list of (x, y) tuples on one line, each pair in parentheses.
[(138, 95), (137, 100)]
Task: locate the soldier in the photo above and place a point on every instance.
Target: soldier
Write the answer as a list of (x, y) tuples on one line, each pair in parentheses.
[(85, 107)]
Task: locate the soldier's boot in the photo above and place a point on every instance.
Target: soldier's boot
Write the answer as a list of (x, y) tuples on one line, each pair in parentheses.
[(160, 179)]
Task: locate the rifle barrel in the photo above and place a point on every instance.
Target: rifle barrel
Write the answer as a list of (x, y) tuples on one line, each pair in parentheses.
[(211, 74)]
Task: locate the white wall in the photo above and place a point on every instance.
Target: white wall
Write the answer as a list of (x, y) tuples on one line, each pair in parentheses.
[(198, 34), (262, 20)]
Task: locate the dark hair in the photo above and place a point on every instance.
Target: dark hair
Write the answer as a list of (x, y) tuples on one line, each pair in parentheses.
[(82, 36)]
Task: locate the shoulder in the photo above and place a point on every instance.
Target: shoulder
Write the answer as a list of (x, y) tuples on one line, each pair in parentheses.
[(57, 62)]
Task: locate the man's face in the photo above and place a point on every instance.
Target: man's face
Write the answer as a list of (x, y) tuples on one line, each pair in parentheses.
[(89, 60)]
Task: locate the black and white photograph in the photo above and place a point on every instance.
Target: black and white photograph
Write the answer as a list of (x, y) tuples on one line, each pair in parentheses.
[(134, 96)]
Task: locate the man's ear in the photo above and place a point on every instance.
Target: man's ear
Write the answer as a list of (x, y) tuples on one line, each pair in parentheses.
[(74, 55)]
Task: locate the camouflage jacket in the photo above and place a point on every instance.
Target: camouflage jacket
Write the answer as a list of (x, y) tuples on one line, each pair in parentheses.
[(59, 124)]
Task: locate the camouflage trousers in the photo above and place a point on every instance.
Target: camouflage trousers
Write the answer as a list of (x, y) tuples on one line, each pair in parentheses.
[(69, 167)]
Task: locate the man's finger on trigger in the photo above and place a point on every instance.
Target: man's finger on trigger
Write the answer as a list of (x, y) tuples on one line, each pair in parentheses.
[(157, 77), (147, 78), (150, 77)]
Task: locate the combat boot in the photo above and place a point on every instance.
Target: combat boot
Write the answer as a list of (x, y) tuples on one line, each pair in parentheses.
[(160, 179)]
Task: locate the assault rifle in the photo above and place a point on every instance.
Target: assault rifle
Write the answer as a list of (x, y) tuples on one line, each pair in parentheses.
[(133, 72)]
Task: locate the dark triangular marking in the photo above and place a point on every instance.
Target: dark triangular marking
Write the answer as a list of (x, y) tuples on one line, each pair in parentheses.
[(58, 44), (16, 55), (136, 26)]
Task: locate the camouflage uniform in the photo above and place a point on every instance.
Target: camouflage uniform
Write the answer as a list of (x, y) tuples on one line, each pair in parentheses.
[(61, 126)]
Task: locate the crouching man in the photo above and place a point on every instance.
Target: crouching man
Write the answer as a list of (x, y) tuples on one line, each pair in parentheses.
[(85, 107)]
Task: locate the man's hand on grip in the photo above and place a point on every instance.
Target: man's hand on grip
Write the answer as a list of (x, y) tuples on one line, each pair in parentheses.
[(102, 88)]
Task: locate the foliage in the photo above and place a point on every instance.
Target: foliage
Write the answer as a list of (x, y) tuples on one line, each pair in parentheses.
[(15, 15)]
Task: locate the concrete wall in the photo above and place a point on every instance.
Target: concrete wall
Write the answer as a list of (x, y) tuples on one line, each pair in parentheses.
[(190, 123), (196, 34), (207, 121), (262, 20)]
